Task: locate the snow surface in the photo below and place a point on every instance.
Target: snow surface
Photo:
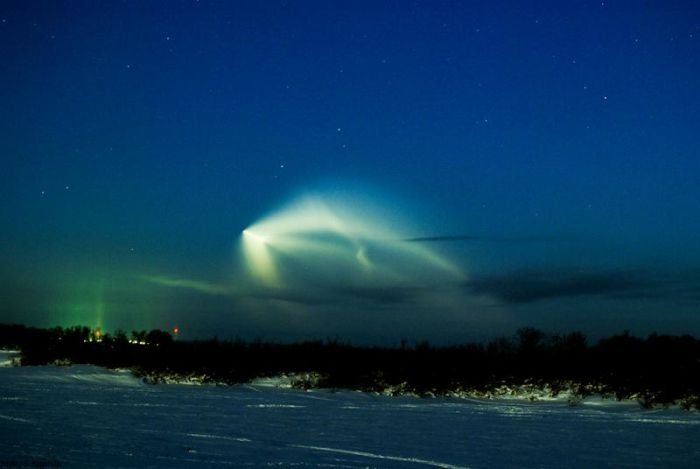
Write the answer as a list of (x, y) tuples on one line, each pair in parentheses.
[(88, 416)]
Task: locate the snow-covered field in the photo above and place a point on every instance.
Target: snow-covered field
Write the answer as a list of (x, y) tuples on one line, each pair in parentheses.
[(91, 417)]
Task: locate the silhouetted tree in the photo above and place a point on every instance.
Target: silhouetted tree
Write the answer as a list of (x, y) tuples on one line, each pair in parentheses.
[(529, 339), (658, 370), (157, 337), (138, 336)]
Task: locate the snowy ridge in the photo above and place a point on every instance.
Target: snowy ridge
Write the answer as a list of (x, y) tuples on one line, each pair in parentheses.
[(567, 392), (570, 393), (9, 358), (174, 378), (84, 416), (81, 374), (289, 381)]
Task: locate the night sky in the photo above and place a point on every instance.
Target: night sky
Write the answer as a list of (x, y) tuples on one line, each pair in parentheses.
[(448, 171)]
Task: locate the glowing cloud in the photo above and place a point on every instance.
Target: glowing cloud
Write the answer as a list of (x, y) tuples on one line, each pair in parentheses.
[(319, 242), (258, 257)]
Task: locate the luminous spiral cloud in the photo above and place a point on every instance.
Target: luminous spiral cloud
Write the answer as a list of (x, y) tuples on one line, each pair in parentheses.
[(323, 242)]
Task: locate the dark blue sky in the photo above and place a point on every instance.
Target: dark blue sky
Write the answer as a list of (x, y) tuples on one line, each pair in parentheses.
[(558, 140)]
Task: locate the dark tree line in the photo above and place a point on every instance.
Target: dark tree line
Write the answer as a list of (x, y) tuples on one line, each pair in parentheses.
[(660, 369)]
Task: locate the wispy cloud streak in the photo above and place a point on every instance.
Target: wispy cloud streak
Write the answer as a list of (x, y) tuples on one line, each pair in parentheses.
[(196, 285), (487, 239), (530, 286)]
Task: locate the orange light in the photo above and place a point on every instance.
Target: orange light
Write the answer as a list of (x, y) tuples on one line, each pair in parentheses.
[(176, 330)]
